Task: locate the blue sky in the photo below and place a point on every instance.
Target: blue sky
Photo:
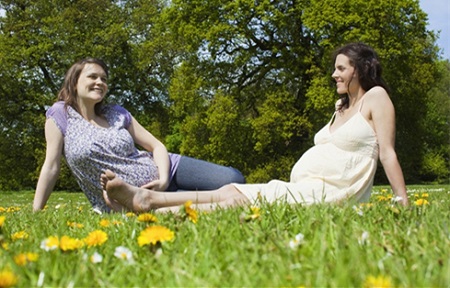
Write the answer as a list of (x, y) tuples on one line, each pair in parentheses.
[(439, 20)]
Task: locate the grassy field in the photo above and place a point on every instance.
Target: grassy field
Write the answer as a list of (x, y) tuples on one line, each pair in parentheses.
[(377, 244)]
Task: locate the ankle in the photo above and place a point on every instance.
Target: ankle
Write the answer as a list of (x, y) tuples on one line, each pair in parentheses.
[(144, 201)]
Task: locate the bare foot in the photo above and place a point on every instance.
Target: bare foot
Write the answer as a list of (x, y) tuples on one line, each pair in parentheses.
[(113, 204), (120, 194)]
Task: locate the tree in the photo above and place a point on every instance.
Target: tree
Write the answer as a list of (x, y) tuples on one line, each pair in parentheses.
[(263, 52), (244, 83), (436, 161), (40, 40)]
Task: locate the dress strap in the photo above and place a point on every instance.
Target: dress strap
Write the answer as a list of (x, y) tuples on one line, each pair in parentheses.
[(333, 118), (360, 105)]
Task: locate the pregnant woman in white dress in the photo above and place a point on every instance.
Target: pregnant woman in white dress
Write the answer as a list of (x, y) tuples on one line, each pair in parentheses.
[(339, 167)]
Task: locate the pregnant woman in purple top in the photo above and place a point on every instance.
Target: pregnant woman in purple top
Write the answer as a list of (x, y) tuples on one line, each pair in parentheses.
[(94, 137)]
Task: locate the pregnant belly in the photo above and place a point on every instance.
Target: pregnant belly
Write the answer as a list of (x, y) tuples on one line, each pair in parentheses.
[(321, 161)]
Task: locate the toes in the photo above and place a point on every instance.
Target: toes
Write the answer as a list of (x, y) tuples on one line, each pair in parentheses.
[(109, 174), (105, 196), (103, 180)]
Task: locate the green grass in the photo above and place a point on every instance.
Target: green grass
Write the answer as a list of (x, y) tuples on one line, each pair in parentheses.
[(407, 247)]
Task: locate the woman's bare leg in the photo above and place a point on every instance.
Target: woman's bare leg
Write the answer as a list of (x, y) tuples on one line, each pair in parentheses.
[(139, 199)]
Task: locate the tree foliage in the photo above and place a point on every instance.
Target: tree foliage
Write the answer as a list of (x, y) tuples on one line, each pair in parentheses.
[(242, 83), (39, 40), (266, 51), (436, 162)]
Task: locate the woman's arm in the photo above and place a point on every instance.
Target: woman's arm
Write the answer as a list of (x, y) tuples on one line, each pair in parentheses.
[(52, 165), (383, 117), (146, 140)]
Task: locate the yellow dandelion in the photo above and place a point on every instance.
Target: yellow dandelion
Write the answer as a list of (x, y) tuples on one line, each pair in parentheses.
[(191, 213), (130, 214), (20, 259), (23, 258), (67, 243), (32, 257), (147, 217), (104, 223), (366, 204), (96, 238), (381, 198), (416, 195), (19, 235), (5, 245), (255, 213), (421, 202), (424, 195), (51, 243), (12, 209), (2, 209), (255, 210), (377, 282), (74, 225), (117, 223), (2, 220), (154, 234), (7, 278), (384, 191)]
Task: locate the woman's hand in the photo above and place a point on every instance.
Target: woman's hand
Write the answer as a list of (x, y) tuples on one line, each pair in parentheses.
[(401, 200), (157, 185)]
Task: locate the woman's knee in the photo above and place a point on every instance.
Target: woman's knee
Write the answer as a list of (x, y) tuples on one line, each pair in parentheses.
[(235, 176), (194, 174)]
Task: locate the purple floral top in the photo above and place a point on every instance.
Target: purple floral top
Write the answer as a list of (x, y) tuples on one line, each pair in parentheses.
[(90, 150)]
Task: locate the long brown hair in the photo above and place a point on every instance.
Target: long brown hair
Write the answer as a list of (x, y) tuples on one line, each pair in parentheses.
[(367, 66), (69, 93)]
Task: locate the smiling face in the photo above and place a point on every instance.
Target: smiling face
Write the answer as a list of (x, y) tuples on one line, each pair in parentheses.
[(91, 85), (345, 75)]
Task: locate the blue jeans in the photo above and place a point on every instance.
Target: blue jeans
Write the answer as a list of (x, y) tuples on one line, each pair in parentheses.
[(197, 175)]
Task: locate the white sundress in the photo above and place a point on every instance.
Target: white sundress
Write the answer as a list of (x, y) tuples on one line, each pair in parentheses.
[(341, 165)]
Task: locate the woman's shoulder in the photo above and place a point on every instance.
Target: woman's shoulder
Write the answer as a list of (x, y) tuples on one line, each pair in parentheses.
[(57, 108), (377, 100), (377, 95), (58, 113), (377, 90), (58, 105)]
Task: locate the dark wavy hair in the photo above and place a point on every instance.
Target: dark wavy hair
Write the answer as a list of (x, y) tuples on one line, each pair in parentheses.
[(69, 93), (367, 65)]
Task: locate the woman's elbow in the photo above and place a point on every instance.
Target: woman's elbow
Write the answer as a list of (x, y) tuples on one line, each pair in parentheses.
[(51, 169), (388, 156)]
